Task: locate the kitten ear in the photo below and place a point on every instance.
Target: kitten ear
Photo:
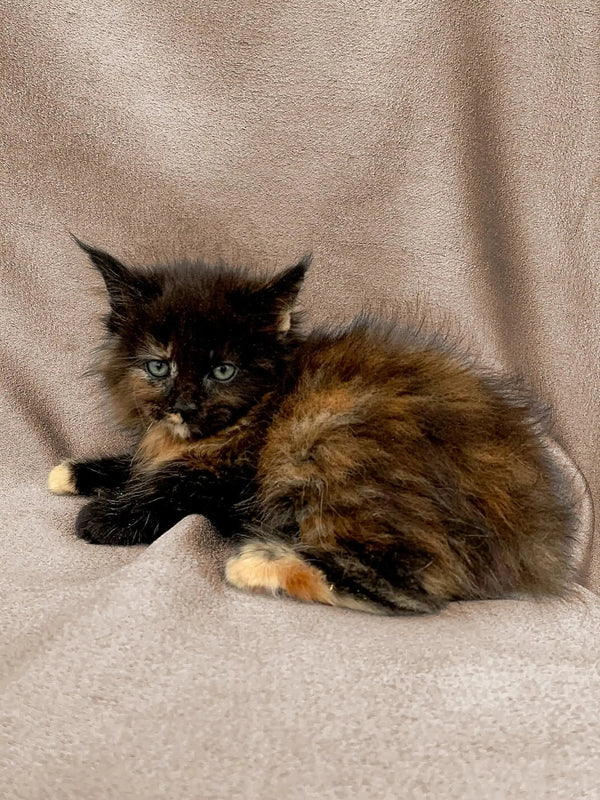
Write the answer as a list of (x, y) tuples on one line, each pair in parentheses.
[(123, 283), (281, 292)]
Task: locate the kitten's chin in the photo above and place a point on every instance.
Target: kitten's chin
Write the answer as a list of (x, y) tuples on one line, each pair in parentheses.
[(177, 426)]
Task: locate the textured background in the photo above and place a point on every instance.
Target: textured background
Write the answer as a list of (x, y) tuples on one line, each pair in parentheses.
[(439, 156)]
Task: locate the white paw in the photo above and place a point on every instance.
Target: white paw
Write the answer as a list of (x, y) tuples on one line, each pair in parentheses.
[(61, 479)]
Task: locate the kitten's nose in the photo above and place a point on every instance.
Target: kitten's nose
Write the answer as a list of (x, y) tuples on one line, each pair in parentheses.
[(184, 407)]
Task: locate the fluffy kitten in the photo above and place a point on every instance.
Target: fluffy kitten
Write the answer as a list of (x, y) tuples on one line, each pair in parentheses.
[(371, 467)]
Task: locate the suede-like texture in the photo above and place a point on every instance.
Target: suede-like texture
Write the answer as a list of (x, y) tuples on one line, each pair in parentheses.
[(440, 158)]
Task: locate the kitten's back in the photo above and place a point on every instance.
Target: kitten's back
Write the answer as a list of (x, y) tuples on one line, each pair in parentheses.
[(392, 449)]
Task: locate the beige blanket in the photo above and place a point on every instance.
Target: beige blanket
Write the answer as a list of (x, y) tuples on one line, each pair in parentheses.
[(433, 155)]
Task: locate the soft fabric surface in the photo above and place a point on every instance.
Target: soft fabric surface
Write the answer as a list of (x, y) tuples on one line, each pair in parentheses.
[(438, 156)]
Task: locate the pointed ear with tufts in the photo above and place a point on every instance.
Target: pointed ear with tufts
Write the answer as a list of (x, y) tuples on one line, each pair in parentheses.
[(280, 292), (124, 284)]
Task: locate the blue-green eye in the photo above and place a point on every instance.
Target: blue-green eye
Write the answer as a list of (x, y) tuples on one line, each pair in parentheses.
[(224, 372), (158, 368)]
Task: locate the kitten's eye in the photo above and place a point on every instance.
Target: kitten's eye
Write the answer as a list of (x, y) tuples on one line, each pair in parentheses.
[(157, 368), (224, 372)]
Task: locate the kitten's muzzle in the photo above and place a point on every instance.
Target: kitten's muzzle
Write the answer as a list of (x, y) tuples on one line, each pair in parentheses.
[(184, 407)]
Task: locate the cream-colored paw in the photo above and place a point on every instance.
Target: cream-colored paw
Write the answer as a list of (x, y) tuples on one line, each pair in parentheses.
[(274, 568), (252, 568), (61, 479)]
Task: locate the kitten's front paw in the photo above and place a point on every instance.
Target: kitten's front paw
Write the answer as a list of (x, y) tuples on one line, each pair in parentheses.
[(93, 525), (111, 519), (61, 479)]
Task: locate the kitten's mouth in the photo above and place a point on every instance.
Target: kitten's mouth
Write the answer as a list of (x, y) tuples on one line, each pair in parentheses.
[(178, 426)]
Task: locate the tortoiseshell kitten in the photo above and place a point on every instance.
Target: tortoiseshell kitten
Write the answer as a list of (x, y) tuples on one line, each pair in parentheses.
[(372, 467)]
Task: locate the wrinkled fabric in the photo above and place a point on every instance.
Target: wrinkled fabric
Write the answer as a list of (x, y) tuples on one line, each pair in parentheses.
[(440, 161)]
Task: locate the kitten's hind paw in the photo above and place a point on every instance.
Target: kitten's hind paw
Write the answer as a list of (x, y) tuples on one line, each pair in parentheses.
[(61, 479), (275, 568)]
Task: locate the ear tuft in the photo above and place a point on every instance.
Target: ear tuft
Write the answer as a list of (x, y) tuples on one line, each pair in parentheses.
[(281, 292), (116, 276), (123, 283), (287, 283)]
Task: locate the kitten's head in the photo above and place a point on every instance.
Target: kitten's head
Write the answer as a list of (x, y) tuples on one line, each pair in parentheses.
[(194, 347)]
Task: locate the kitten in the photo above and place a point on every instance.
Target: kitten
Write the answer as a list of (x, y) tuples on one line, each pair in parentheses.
[(372, 467)]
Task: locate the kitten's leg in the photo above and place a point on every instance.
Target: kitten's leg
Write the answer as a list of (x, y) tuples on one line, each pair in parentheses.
[(88, 476), (270, 566), (147, 506), (362, 584)]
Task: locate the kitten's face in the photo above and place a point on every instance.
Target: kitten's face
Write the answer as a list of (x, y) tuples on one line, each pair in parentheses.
[(192, 347)]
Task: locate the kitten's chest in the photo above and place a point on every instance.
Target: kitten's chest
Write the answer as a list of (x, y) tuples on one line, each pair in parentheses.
[(234, 448)]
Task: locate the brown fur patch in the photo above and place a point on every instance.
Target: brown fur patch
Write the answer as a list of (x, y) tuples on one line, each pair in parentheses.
[(418, 461), (132, 398), (338, 400), (160, 445), (445, 579), (152, 349)]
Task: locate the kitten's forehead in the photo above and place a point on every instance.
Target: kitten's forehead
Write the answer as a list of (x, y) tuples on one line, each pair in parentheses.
[(190, 338), (152, 348), (199, 311)]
